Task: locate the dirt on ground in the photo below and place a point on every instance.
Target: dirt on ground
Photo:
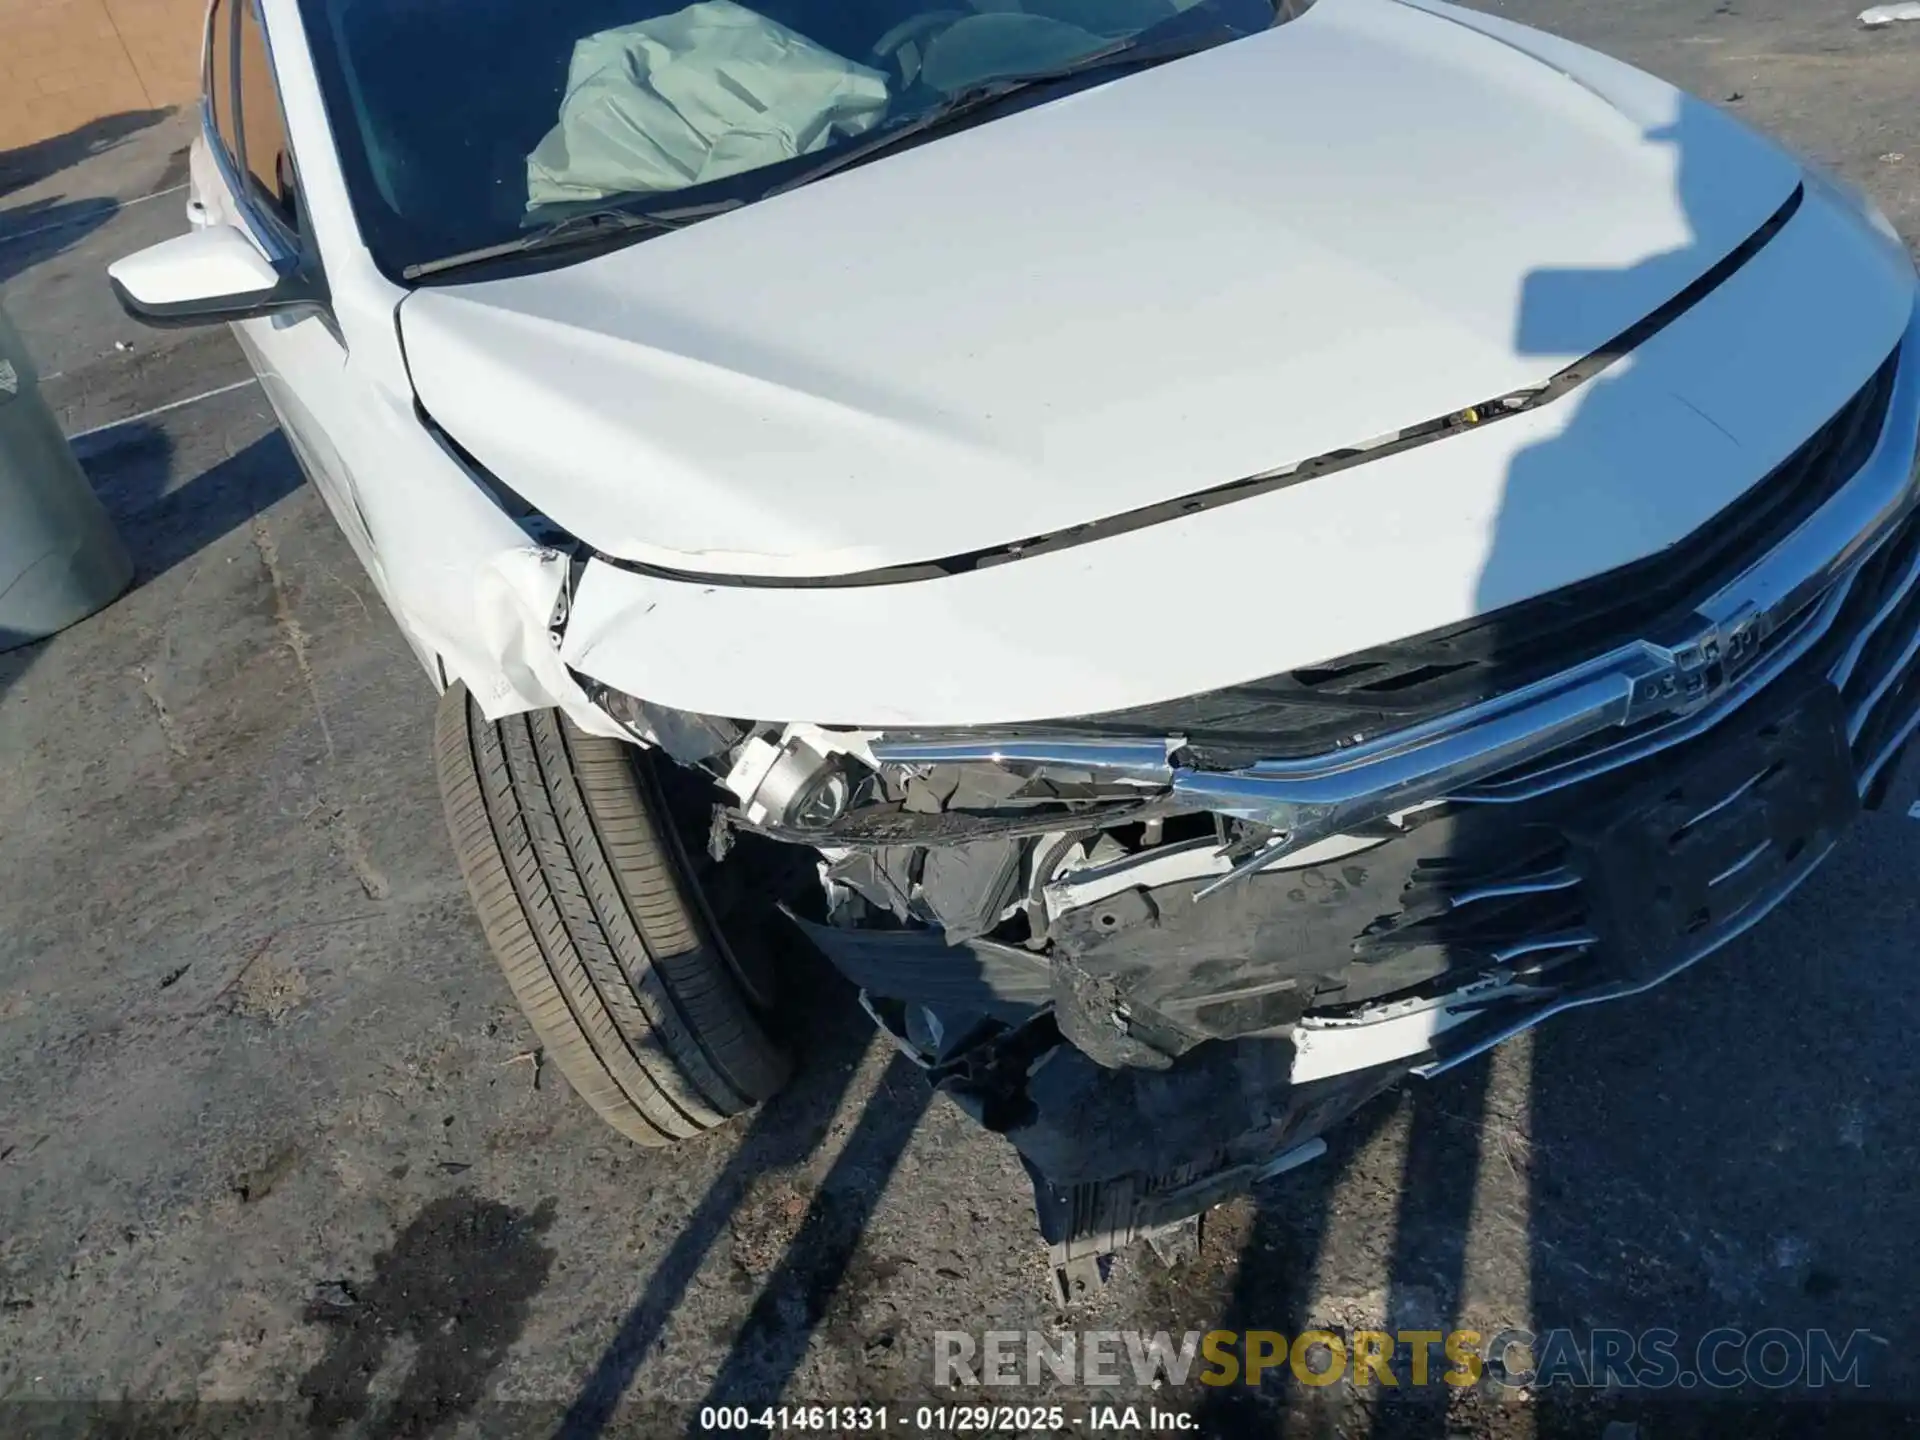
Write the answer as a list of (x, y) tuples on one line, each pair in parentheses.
[(277, 1152)]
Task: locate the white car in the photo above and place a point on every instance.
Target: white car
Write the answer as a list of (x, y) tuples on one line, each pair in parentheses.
[(1251, 550)]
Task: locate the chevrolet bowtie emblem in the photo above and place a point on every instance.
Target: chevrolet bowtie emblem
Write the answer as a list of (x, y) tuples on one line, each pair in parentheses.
[(1700, 668)]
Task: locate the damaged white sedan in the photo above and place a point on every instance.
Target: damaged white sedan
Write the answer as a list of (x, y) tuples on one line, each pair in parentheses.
[(1251, 549)]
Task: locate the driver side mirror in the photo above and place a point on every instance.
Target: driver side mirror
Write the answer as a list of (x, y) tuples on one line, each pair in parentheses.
[(211, 276)]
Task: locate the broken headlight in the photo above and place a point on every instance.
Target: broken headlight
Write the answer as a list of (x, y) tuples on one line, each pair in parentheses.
[(794, 786), (685, 735), (852, 786), (820, 786)]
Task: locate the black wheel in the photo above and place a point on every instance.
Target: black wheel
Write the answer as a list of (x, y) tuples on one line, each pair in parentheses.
[(588, 906)]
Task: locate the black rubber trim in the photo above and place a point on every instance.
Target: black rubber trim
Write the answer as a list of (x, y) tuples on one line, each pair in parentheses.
[(1412, 437), (923, 966), (299, 289)]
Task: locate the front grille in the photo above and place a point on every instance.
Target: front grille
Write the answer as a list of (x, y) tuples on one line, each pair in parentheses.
[(1874, 654), (1524, 908), (1861, 635), (1327, 706), (1526, 914)]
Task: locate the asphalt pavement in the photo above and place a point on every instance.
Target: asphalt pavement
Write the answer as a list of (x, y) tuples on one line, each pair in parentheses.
[(273, 1135)]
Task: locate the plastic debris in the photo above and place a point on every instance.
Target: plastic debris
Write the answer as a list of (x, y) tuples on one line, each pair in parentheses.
[(1887, 14)]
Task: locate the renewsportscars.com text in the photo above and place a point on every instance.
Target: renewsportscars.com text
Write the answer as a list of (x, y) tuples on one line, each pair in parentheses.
[(1514, 1358)]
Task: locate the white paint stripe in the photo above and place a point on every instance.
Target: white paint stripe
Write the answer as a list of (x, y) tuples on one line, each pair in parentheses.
[(156, 195), (113, 207), (163, 409), (1913, 812)]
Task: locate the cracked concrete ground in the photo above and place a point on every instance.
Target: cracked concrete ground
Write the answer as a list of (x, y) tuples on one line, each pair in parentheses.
[(272, 1133)]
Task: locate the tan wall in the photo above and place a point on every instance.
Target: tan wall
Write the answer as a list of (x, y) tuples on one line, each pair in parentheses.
[(65, 62)]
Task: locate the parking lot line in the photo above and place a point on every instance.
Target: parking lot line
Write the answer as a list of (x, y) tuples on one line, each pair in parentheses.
[(107, 206), (163, 409)]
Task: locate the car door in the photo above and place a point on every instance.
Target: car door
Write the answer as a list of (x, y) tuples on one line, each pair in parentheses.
[(250, 180)]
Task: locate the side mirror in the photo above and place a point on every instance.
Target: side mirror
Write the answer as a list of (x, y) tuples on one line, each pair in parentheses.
[(212, 276)]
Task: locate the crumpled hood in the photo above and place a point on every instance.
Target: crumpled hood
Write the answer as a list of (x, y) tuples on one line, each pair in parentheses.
[(1290, 244)]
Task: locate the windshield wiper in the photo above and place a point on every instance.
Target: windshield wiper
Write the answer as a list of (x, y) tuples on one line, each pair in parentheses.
[(1122, 53), (590, 227)]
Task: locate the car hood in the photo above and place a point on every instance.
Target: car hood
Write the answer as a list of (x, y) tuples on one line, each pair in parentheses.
[(1282, 247)]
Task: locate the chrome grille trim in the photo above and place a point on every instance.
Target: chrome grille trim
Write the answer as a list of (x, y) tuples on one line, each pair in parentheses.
[(1558, 879), (1449, 1012), (1730, 798), (1895, 671), (1553, 774), (1564, 940), (1869, 536), (1899, 737), (1843, 670)]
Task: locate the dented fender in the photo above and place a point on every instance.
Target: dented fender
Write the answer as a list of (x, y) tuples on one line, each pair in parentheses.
[(477, 599)]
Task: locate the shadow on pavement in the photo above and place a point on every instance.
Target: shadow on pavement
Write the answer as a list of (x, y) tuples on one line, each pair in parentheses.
[(1273, 1283), (785, 1133), (794, 1300), (28, 164), (131, 467), (41, 229)]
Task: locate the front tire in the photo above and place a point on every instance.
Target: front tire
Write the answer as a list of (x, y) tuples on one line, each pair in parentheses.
[(596, 925)]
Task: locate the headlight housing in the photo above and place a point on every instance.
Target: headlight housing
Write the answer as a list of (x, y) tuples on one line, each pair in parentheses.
[(818, 785)]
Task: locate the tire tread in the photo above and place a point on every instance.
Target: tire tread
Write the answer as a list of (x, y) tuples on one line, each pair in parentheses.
[(593, 927)]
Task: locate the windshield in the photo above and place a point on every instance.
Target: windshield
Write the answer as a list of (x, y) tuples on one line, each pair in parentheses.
[(466, 124)]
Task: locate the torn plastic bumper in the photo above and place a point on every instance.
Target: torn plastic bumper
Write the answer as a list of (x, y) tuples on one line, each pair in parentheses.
[(1148, 1069), (1119, 1156)]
